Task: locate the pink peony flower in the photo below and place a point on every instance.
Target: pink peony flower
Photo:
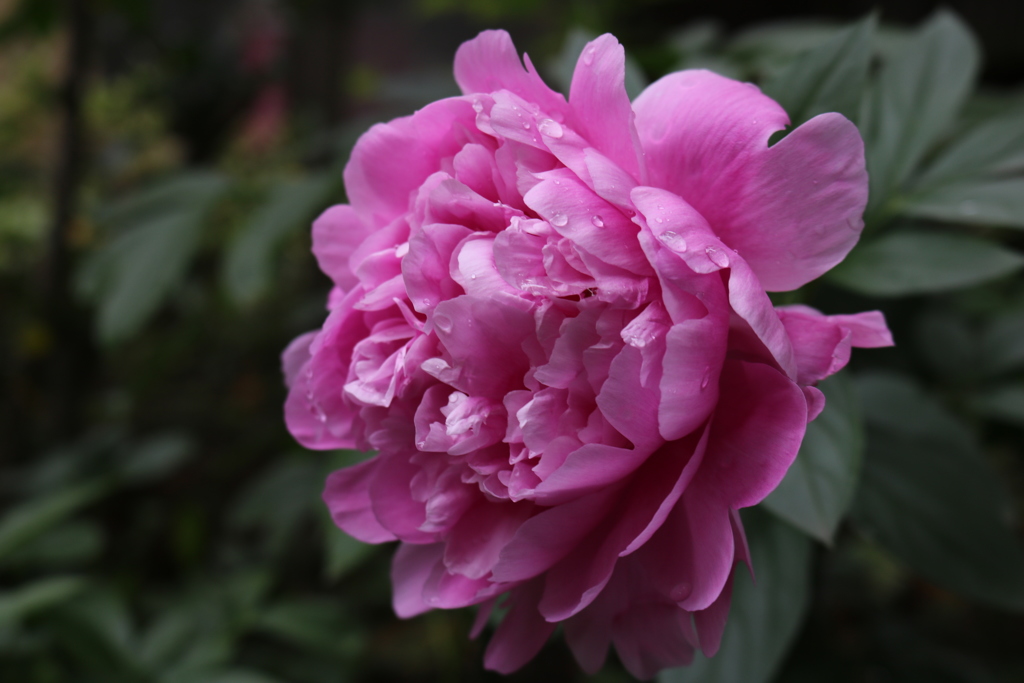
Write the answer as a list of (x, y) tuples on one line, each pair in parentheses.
[(550, 322)]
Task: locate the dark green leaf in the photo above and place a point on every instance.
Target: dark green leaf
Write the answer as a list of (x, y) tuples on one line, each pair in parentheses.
[(830, 77), (1004, 404), (1003, 343), (949, 344), (133, 274), (156, 457), (32, 519), (70, 544), (764, 618), (37, 596), (343, 552), (818, 488), (994, 201), (995, 145), (248, 263), (319, 626), (931, 500), (914, 262), (919, 93)]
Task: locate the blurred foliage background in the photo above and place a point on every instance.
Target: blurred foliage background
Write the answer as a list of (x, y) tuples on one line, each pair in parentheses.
[(160, 163)]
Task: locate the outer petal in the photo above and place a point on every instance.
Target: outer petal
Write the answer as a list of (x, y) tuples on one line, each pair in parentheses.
[(336, 234), (347, 496), (391, 160), (601, 108), (793, 210), (522, 632), (490, 62)]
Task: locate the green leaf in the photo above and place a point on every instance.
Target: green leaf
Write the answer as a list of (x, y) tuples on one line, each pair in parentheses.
[(343, 553), (38, 596), (1004, 404), (998, 202), (993, 146), (919, 93), (320, 626), (248, 265), (1002, 344), (819, 487), (134, 273), (155, 457), (35, 517), (830, 77), (70, 544), (219, 676), (915, 262), (949, 344), (930, 499), (764, 619)]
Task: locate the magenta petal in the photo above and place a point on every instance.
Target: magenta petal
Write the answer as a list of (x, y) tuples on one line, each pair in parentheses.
[(710, 622), (651, 637), (391, 498), (601, 109), (868, 329), (347, 495), (521, 634), (410, 570), (757, 430), (549, 536), (474, 544), (821, 347)]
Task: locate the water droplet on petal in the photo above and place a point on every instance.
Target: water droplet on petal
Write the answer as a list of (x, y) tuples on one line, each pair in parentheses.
[(552, 129), (660, 219), (443, 323), (526, 126), (597, 221), (681, 591), (559, 220), (718, 257), (706, 379), (588, 55), (478, 106), (673, 240)]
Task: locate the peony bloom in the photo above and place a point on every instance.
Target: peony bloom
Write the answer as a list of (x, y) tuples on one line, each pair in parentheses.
[(550, 323)]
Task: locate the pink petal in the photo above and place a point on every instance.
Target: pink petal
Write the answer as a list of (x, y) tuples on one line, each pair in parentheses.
[(821, 347), (475, 543), (793, 210), (601, 110), (391, 160), (411, 567), (868, 329), (347, 495), (336, 234), (710, 622), (521, 634), (758, 426), (489, 63)]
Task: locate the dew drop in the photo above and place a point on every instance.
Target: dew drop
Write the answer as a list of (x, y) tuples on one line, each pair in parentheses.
[(717, 257), (681, 591), (552, 129), (597, 221), (478, 106), (673, 240), (559, 220), (706, 379), (526, 126), (588, 56), (443, 323), (660, 219)]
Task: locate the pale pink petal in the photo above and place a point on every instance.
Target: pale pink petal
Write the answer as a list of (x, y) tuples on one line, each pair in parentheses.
[(868, 329)]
